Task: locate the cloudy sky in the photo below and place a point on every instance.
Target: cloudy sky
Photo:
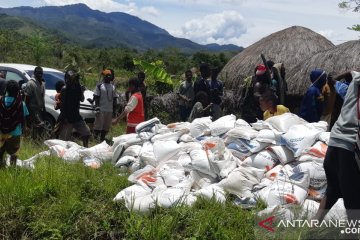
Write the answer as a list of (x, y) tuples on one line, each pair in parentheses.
[(240, 22)]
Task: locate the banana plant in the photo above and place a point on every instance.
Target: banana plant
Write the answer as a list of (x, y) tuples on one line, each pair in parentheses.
[(155, 70)]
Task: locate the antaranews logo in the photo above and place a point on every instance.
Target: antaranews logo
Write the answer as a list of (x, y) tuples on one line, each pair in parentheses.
[(268, 224)]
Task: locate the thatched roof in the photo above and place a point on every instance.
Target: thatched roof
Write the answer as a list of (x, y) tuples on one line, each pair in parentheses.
[(339, 59), (289, 46)]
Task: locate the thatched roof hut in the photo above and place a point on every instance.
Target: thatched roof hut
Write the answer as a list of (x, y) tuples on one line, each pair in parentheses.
[(339, 59), (289, 46)]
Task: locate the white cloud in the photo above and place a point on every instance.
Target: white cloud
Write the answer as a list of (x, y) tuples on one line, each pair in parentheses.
[(328, 33), (150, 11), (222, 28)]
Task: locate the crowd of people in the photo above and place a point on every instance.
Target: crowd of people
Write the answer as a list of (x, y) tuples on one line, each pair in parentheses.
[(334, 99)]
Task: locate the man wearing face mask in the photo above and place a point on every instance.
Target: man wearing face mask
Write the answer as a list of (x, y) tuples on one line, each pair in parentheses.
[(34, 99)]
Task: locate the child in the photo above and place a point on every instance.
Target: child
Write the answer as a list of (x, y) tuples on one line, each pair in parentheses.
[(201, 107), (12, 122), (268, 105), (58, 86), (134, 108)]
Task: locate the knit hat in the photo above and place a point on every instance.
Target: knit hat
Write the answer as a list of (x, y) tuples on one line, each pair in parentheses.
[(316, 74), (260, 70)]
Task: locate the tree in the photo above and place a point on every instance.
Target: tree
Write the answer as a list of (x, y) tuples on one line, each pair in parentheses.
[(353, 5), (39, 47)]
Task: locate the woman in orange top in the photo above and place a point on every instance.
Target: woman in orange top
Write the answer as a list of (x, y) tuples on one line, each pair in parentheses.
[(134, 108), (268, 105)]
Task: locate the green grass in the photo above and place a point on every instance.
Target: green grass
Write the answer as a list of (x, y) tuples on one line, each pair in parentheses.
[(59, 200)]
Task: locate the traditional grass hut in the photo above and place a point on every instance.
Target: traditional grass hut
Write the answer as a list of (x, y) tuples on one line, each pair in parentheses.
[(339, 59), (289, 46)]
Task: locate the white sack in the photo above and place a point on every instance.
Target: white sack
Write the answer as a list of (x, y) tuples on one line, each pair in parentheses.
[(212, 192), (117, 152), (264, 160), (53, 142), (201, 180), (285, 190), (243, 133), (72, 154), (266, 136), (316, 173), (101, 151), (324, 137), (125, 160), (282, 153), (309, 209), (123, 139), (318, 150), (147, 155), (241, 181), (133, 151), (171, 136), (134, 191), (172, 173), (188, 147), (284, 122), (300, 137), (254, 146), (141, 204), (165, 150), (185, 161), (222, 125), (146, 176), (200, 126), (179, 126), (186, 138), (337, 212), (240, 123), (201, 163), (92, 163), (57, 150)]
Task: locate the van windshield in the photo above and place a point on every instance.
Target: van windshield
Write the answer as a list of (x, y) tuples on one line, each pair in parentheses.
[(51, 78)]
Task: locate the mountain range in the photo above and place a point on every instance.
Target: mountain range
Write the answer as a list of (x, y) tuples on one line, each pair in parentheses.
[(92, 28)]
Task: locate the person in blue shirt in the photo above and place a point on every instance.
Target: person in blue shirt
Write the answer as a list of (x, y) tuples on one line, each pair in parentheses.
[(13, 113), (312, 103)]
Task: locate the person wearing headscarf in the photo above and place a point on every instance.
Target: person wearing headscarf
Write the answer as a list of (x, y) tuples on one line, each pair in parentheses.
[(312, 104)]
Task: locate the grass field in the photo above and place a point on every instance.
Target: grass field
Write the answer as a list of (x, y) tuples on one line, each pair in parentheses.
[(61, 200)]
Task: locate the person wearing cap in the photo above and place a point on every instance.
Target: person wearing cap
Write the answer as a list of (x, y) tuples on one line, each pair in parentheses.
[(312, 104), (105, 99), (71, 96)]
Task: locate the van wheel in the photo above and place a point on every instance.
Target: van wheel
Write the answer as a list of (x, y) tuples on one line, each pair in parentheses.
[(49, 124)]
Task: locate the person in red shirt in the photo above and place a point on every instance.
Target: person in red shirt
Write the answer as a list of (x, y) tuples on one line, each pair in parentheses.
[(134, 108)]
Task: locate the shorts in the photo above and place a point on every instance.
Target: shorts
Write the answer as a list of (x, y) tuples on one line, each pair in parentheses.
[(103, 121), (80, 127), (11, 145)]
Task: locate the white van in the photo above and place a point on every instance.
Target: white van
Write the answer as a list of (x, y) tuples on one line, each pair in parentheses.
[(23, 72)]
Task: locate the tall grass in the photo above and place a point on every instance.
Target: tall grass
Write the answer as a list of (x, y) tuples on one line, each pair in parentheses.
[(59, 200)]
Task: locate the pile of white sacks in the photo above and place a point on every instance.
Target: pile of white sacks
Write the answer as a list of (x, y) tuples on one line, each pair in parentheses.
[(279, 161)]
